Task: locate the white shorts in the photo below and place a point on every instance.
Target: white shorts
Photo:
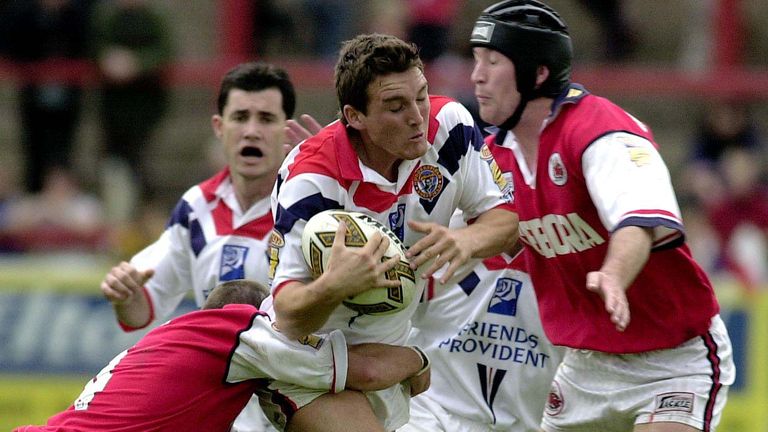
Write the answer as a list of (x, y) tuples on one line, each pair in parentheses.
[(429, 416), (688, 384)]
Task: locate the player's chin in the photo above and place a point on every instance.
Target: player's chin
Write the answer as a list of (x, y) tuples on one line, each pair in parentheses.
[(416, 150), (251, 171)]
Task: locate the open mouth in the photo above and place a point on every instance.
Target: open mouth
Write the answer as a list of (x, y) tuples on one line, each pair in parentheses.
[(251, 152)]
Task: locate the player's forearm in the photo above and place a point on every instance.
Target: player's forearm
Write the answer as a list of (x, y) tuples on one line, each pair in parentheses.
[(628, 251), (135, 314), (492, 233), (302, 309), (374, 366)]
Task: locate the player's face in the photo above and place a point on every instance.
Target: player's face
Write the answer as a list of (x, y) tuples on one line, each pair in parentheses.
[(395, 125), (252, 132), (495, 85)]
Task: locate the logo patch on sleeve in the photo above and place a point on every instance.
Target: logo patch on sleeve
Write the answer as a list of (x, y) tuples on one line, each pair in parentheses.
[(276, 241), (640, 156)]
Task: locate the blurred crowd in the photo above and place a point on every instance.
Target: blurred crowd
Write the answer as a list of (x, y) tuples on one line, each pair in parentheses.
[(44, 205)]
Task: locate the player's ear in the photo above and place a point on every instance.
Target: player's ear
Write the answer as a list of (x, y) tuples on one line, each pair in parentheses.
[(217, 125), (353, 117), (542, 73)]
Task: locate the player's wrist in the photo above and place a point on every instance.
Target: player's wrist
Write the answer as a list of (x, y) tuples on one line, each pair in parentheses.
[(425, 363)]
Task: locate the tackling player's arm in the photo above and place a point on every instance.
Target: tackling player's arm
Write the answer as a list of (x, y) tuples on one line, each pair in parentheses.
[(123, 286), (374, 366), (493, 232), (303, 308)]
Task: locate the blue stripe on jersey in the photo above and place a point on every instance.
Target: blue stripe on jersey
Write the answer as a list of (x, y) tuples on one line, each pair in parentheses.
[(278, 183), (457, 144), (469, 283), (302, 209), (180, 216), (196, 237)]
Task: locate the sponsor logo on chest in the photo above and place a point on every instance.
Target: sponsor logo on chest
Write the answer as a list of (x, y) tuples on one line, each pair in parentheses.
[(555, 234)]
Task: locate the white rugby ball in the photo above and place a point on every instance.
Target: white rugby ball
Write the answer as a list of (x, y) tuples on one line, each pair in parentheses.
[(316, 242)]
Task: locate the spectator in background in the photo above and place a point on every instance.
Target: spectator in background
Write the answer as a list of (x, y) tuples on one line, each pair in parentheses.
[(430, 26), (389, 17), (42, 35), (132, 46), (10, 193), (60, 217), (740, 218), (724, 126), (619, 38), (334, 23)]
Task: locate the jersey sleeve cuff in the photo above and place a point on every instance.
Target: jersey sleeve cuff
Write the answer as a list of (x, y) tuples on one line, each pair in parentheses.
[(340, 360)]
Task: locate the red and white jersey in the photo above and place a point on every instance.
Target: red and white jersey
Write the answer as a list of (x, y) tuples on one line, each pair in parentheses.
[(484, 338), (207, 240), (324, 172), (598, 169), (198, 371)]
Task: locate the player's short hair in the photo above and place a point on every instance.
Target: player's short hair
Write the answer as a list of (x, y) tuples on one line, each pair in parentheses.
[(238, 291), (366, 57), (255, 76)]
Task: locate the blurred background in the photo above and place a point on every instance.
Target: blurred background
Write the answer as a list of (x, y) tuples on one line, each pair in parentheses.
[(105, 110)]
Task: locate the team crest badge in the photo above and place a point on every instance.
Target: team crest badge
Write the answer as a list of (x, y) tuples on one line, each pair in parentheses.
[(428, 181), (555, 401), (557, 172)]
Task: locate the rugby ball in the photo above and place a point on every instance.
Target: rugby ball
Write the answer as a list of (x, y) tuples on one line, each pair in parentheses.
[(316, 242)]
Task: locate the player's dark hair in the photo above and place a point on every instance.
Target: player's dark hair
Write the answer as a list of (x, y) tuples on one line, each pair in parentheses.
[(255, 76), (238, 291), (365, 58)]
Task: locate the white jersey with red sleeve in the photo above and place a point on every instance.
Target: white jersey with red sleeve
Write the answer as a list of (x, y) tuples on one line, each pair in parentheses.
[(324, 172), (198, 371), (598, 170), (207, 240)]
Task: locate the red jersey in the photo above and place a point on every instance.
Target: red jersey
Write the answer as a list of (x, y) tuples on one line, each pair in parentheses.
[(598, 169), (197, 372)]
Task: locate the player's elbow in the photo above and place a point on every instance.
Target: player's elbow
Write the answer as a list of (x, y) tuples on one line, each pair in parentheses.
[(372, 375), (290, 328)]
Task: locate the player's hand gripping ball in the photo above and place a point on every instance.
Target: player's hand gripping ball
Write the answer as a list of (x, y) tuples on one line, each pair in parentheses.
[(316, 242)]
